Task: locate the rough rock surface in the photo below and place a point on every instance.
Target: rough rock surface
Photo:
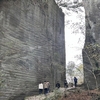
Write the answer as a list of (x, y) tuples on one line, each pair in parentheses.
[(32, 46), (91, 51)]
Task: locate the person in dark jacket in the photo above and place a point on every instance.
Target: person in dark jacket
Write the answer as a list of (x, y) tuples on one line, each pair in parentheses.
[(65, 84), (58, 85), (75, 81)]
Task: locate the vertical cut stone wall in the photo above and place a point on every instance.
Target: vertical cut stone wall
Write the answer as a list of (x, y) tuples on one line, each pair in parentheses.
[(32, 46), (91, 51)]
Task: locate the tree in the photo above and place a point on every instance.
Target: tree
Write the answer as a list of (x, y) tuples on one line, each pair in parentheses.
[(79, 73), (91, 53), (70, 70), (91, 57)]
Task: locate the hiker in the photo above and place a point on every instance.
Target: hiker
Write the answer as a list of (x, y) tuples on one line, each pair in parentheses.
[(40, 88), (48, 86), (45, 85), (75, 81), (65, 84), (58, 84)]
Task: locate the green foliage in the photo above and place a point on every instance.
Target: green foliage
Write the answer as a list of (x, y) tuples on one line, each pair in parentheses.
[(70, 69), (93, 51)]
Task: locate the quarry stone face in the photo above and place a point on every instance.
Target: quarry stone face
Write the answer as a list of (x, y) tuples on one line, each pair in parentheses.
[(91, 51), (32, 46)]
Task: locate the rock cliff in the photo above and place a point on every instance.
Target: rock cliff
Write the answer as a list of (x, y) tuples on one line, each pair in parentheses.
[(91, 51), (32, 46)]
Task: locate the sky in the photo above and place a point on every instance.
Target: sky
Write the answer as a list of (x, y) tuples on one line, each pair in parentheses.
[(74, 37)]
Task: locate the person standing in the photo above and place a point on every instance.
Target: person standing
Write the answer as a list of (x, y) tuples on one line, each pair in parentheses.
[(75, 81), (65, 84), (40, 88), (45, 85), (58, 84), (48, 86)]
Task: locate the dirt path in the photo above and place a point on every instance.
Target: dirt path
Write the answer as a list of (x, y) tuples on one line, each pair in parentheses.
[(69, 94), (41, 97)]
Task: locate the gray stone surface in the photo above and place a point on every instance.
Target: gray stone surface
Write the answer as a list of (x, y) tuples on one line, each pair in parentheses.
[(91, 51), (32, 46)]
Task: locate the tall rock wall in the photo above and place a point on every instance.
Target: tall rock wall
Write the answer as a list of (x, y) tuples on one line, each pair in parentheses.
[(32, 46), (91, 51)]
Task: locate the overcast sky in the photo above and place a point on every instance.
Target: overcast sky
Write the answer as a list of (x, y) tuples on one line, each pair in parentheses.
[(74, 41)]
